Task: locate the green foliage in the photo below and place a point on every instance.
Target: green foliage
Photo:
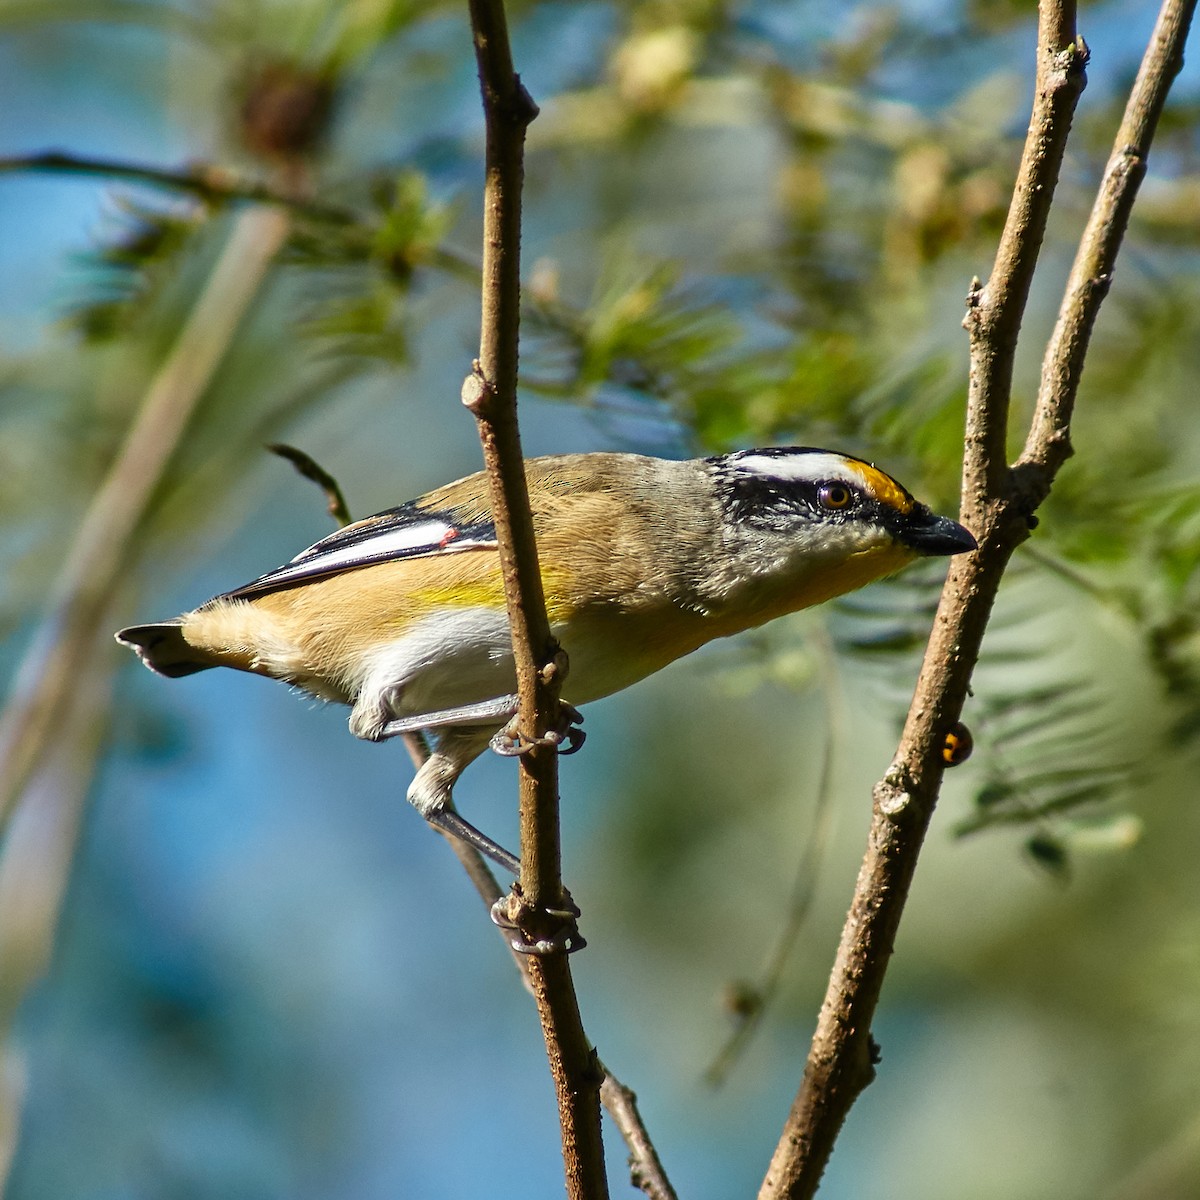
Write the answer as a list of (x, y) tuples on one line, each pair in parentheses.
[(745, 224), (882, 208), (358, 276), (125, 273)]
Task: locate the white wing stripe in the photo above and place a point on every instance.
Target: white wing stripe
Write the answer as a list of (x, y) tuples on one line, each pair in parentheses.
[(428, 535)]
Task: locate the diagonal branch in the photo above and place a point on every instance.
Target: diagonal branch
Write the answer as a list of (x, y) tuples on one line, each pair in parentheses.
[(51, 724), (491, 394), (94, 563), (998, 504), (645, 1167), (217, 185)]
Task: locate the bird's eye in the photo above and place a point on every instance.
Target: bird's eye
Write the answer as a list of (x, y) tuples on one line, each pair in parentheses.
[(834, 496)]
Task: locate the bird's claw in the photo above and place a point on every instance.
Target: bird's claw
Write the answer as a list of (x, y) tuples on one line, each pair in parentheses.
[(511, 742), (511, 913)]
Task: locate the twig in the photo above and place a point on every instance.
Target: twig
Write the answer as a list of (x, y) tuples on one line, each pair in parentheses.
[(491, 394), (645, 1170), (1049, 444), (307, 466), (998, 503), (94, 564), (217, 185), (645, 1167), (994, 310)]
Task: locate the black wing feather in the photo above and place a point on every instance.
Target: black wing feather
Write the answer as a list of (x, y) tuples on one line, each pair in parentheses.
[(407, 531)]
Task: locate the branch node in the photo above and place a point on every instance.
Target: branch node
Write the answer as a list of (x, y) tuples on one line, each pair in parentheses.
[(522, 108), (477, 392), (556, 668), (892, 801), (1073, 59), (974, 302)]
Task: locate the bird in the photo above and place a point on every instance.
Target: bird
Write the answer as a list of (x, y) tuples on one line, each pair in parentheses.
[(402, 615)]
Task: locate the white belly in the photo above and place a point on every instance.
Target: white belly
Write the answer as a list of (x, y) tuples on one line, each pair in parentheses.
[(455, 659)]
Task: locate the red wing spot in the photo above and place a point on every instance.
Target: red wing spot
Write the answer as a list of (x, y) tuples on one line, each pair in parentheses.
[(447, 537)]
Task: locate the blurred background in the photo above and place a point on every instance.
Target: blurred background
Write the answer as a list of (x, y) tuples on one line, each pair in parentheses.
[(233, 961)]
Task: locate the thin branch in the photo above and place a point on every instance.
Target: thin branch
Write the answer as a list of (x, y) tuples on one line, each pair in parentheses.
[(31, 721), (217, 185), (645, 1170), (1049, 444), (994, 310), (307, 466), (998, 504), (804, 889), (491, 394), (645, 1167)]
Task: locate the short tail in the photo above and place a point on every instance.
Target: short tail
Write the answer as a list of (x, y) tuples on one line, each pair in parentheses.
[(163, 649)]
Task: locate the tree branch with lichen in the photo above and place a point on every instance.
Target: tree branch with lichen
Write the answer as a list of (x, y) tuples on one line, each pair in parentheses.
[(998, 503)]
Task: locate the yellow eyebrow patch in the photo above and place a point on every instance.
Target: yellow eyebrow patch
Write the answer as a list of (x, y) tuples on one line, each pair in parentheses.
[(885, 488)]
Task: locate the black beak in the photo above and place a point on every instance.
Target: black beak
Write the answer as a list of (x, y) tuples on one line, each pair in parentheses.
[(927, 533)]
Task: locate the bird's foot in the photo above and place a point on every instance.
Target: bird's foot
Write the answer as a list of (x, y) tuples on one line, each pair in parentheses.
[(538, 931), (511, 741)]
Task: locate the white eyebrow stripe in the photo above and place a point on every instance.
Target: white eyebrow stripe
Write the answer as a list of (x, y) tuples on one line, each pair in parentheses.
[(808, 466)]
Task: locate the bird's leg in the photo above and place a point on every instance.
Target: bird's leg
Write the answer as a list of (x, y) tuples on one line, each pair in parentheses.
[(430, 795), (430, 792), (483, 713), (551, 930)]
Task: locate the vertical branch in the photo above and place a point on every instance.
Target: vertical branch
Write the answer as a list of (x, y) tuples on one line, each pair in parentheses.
[(490, 392), (998, 503), (1049, 442), (995, 309), (491, 395)]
